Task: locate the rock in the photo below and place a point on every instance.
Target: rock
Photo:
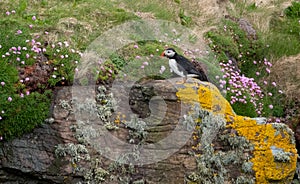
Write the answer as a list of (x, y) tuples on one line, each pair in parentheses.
[(245, 25), (189, 134), (248, 28)]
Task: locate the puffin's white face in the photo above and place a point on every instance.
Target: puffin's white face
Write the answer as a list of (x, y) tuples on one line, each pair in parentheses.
[(169, 53)]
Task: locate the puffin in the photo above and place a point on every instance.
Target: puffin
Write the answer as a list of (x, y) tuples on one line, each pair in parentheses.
[(181, 66)]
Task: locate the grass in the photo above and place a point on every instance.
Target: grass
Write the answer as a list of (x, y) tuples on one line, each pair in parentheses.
[(61, 30), (56, 30)]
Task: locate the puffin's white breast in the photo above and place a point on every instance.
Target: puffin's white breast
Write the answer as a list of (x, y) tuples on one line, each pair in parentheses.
[(174, 67)]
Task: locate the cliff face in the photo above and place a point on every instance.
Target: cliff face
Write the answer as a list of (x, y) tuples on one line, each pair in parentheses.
[(169, 133)]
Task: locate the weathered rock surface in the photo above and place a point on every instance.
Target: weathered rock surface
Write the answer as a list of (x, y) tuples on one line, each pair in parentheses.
[(220, 146)]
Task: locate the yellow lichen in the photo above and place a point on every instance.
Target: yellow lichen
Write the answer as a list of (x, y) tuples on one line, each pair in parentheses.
[(262, 136)]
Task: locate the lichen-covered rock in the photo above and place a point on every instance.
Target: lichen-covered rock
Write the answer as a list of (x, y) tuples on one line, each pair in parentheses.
[(274, 155), (221, 146)]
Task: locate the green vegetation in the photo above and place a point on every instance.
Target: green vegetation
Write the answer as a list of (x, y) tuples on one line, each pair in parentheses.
[(284, 34), (253, 55), (52, 35)]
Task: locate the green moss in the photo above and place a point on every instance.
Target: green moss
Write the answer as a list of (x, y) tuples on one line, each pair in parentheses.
[(21, 115)]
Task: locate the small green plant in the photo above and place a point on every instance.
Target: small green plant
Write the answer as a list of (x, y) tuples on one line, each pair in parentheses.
[(20, 114), (283, 39), (293, 11), (185, 20)]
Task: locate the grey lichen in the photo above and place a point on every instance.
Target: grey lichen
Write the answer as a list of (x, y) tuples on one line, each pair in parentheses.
[(247, 167), (245, 180), (49, 120), (81, 133), (260, 120), (210, 166), (280, 155), (136, 128), (96, 174), (105, 104), (298, 172), (280, 127), (75, 151), (111, 126), (139, 182), (213, 166), (65, 105)]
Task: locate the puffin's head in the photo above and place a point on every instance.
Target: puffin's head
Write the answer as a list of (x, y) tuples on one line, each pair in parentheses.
[(169, 53)]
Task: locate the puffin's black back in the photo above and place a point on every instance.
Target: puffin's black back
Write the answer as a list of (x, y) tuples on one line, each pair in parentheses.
[(188, 67)]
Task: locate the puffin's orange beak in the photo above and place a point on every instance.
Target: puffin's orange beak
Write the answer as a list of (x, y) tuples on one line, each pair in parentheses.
[(162, 54)]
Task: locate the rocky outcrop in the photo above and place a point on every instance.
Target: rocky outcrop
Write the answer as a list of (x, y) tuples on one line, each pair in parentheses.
[(160, 131)]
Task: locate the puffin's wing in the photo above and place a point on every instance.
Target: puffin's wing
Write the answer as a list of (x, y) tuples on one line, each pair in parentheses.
[(191, 69)]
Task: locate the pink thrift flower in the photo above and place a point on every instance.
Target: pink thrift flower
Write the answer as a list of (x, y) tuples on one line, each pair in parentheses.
[(33, 18), (270, 94), (13, 11), (9, 99), (280, 91), (146, 63), (2, 83), (22, 95), (66, 44), (268, 70), (269, 64), (162, 69), (274, 84), (271, 106), (27, 93), (142, 67), (19, 32), (30, 26), (7, 13), (254, 62)]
